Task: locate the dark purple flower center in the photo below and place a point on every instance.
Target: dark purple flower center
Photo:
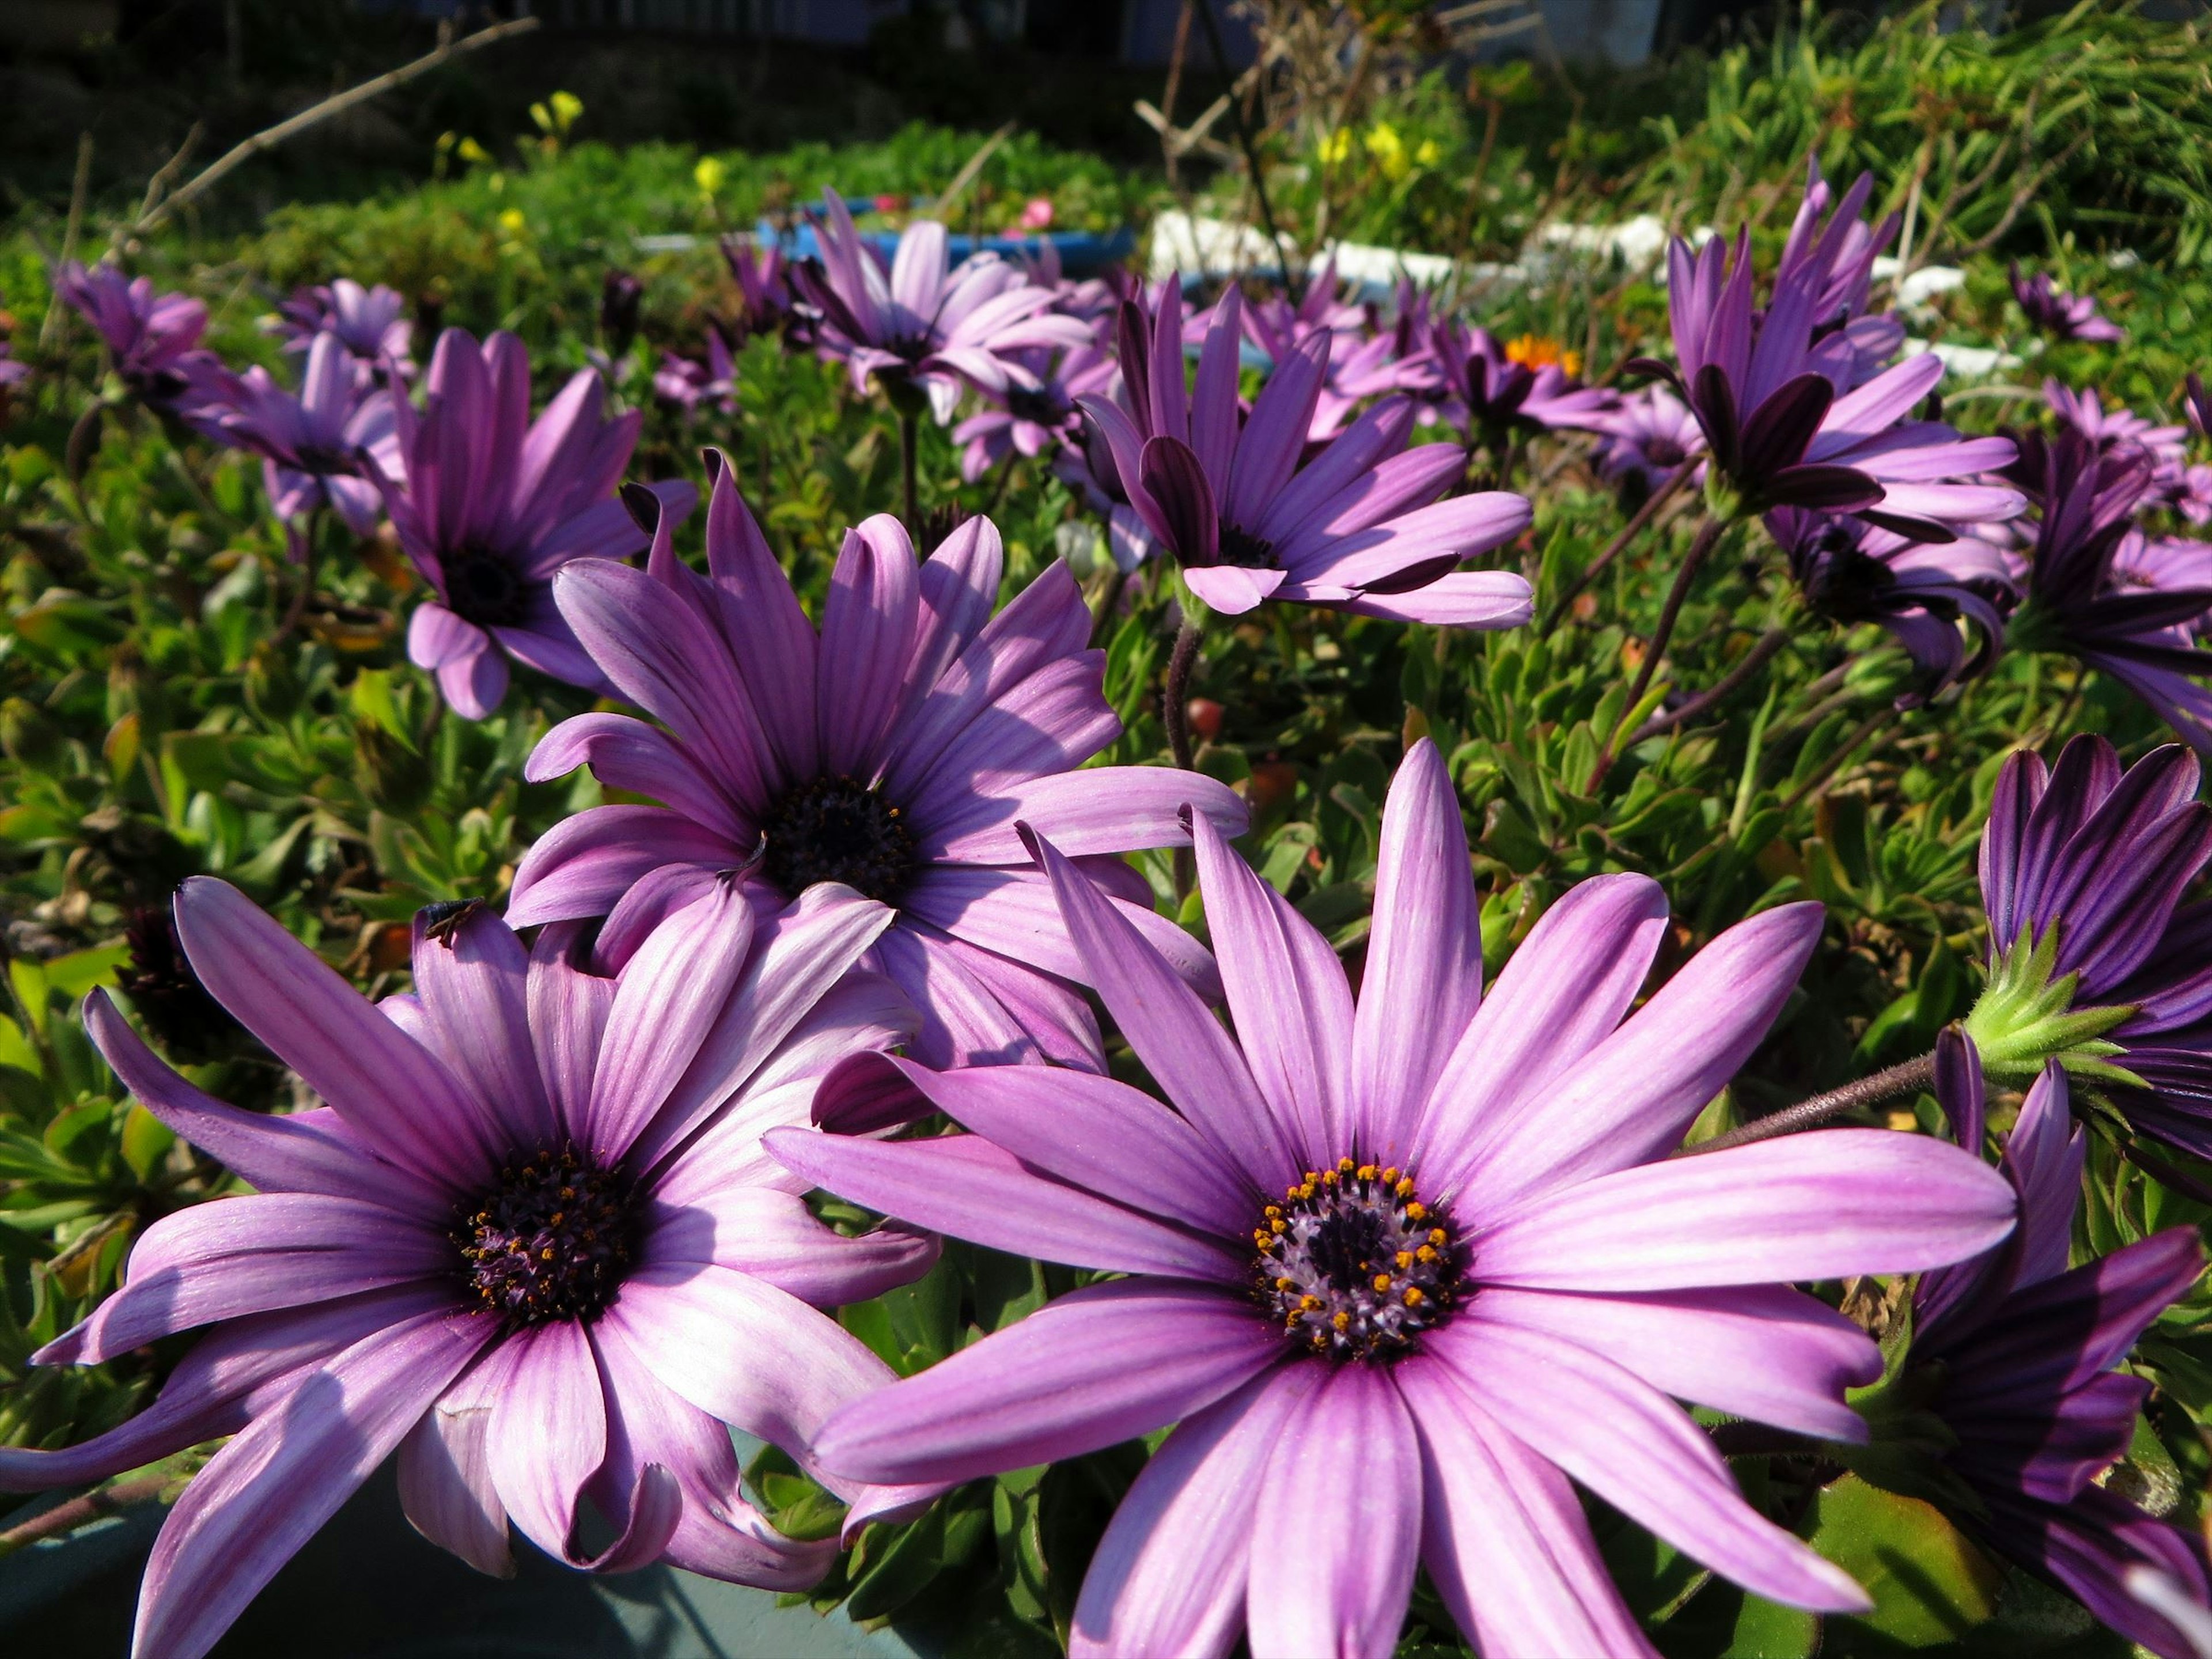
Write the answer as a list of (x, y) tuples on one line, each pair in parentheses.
[(1241, 547), (1843, 581), (1353, 1266), (835, 828), (484, 588), (1039, 407), (551, 1241)]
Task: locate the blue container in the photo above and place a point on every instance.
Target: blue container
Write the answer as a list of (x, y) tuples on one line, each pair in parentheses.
[(1082, 253)]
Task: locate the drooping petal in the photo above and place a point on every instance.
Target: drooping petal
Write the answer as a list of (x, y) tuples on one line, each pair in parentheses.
[(446, 1484), (548, 1432)]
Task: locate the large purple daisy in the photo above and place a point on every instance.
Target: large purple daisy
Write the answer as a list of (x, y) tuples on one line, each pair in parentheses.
[(1359, 527), (2016, 1355), (892, 751), (490, 503), (530, 1243), (1405, 1268)]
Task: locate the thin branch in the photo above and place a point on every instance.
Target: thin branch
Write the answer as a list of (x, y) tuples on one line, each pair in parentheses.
[(153, 213), (1629, 531), (1896, 1083), (1293, 276), (1828, 768), (1667, 719), (50, 324), (82, 1511), (967, 174)]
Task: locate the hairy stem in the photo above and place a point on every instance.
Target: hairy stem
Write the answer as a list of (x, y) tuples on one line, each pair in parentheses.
[(1708, 534), (909, 440), (1175, 711), (1757, 658), (1629, 531), (1909, 1078), (82, 1511)]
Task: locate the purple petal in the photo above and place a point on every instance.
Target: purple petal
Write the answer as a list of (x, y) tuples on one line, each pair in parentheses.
[(1013, 913), (446, 1484), (1822, 1204), (1422, 980), (1288, 997), (1098, 809), (1504, 1538), (549, 1431), (568, 1012), (267, 1492), (1337, 1569), (379, 1080), (1169, 1575), (1641, 1453), (867, 635), (1096, 1367), (472, 980), (773, 1237), (1233, 589), (966, 1186), (627, 754), (583, 865)]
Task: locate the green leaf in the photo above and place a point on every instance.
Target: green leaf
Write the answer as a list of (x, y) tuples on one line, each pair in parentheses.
[(1929, 1582)]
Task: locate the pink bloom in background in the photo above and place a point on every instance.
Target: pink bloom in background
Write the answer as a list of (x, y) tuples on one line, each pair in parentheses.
[(311, 442), (490, 503), (1358, 527), (1037, 214), (889, 751), (923, 326), (530, 1243), (1406, 1269), (370, 323)]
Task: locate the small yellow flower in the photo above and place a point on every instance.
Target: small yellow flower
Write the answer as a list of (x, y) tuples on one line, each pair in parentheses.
[(1389, 150), (709, 175), (567, 106), (1539, 350), (1428, 154), (1334, 147), (474, 153), (512, 223)]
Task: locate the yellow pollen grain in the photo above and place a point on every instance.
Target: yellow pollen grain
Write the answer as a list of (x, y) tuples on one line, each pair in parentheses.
[(1403, 1188), (1439, 1237), (1287, 1284), (1390, 1176), (1309, 1303), (1414, 1296), (1405, 1259), (1382, 1281), (1341, 1320), (1416, 1212), (1424, 1254), (1367, 1172), (1344, 1165), (545, 1255)]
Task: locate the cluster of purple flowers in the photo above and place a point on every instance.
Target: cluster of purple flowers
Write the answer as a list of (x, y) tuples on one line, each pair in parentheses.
[(1400, 1267)]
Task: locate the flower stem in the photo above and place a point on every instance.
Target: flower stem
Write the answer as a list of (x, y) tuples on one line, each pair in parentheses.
[(1629, 531), (1909, 1078), (1828, 769), (1107, 600), (909, 440), (82, 1511), (1769, 642), (1708, 534), (1174, 712)]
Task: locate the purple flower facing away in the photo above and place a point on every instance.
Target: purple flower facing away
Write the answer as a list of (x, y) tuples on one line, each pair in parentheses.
[(1853, 572), (2119, 430), (1406, 1269), (1489, 392), (765, 289), (310, 440), (530, 1243), (490, 503), (13, 369), (1789, 416), (1841, 255), (2052, 310), (2083, 601), (2196, 404), (691, 384), (1648, 436), (1358, 527), (889, 751), (1276, 328), (2016, 1355), (1036, 415), (153, 339), (2084, 868), (370, 323), (922, 328)]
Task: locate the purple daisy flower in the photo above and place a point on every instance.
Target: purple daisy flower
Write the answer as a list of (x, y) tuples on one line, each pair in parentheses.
[(1358, 527), (2079, 602), (1489, 392), (530, 1243), (2093, 953), (154, 340), (1852, 572), (310, 440), (2061, 315), (688, 384), (765, 289), (1404, 1267), (490, 503), (370, 323), (1036, 414), (2120, 429), (923, 328), (1789, 419), (1648, 436), (13, 369), (1843, 253), (2020, 1356), (890, 751)]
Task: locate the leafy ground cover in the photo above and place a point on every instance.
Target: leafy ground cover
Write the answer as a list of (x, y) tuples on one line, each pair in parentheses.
[(192, 685)]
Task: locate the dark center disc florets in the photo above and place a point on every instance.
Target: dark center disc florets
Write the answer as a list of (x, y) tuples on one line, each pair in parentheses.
[(1353, 1266), (1039, 407), (552, 1240), (483, 588), (1241, 547), (835, 828)]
